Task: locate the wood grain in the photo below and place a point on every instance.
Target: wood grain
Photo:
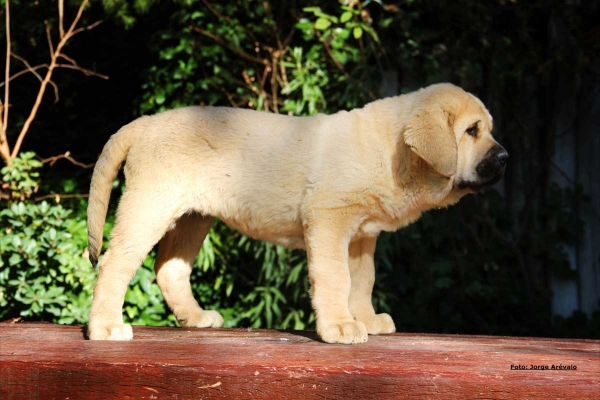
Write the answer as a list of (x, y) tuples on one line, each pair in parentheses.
[(46, 361)]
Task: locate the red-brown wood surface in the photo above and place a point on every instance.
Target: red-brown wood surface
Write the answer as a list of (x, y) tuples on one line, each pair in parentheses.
[(45, 361)]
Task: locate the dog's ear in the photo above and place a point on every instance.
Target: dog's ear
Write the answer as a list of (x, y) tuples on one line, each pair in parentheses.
[(429, 134)]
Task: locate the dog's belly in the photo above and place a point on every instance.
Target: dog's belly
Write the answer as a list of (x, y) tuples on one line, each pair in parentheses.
[(262, 214), (283, 233)]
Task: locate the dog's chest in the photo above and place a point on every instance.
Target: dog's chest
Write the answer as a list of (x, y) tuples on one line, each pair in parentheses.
[(373, 226)]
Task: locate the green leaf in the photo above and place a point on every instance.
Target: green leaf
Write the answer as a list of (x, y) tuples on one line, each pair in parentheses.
[(357, 32), (14, 259), (331, 18), (311, 9), (146, 286), (322, 23), (371, 32), (342, 33), (346, 16), (159, 98)]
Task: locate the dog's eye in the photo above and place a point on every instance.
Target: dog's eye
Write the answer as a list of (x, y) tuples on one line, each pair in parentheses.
[(472, 131)]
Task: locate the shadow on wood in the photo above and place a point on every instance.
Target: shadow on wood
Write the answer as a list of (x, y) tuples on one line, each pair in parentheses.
[(39, 360)]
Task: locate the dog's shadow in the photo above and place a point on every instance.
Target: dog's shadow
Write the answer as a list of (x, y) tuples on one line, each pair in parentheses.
[(310, 335), (304, 335)]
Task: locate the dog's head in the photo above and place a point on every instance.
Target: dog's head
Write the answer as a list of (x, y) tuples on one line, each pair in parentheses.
[(451, 130)]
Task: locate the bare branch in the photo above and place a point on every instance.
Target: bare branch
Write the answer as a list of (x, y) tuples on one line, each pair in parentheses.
[(73, 65), (66, 156), (69, 59), (249, 83), (87, 72), (263, 80), (76, 66), (29, 67), (288, 38), (34, 110), (23, 72), (343, 70), (55, 87), (222, 42), (7, 70), (274, 81), (58, 196), (32, 70), (49, 38), (61, 9), (283, 74), (87, 28), (262, 86), (4, 149), (75, 21), (229, 97), (47, 79)]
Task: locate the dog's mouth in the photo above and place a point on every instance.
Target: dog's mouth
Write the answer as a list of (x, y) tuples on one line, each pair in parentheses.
[(489, 171), (478, 185)]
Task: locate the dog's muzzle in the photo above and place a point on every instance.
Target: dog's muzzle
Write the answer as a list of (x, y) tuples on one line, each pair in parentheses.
[(493, 164), (489, 171)]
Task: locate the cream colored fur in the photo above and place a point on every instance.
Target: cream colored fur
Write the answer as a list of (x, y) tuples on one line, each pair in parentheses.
[(328, 184)]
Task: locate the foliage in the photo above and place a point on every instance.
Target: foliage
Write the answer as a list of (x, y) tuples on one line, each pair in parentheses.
[(308, 77), (20, 177), (44, 272), (207, 55)]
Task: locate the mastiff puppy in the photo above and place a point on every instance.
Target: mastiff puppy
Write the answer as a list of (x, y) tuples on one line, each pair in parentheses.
[(327, 184)]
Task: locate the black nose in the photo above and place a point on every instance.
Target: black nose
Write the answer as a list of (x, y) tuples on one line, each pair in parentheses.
[(502, 158), (493, 164)]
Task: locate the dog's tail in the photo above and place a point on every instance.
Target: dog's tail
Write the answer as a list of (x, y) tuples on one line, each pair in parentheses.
[(114, 153)]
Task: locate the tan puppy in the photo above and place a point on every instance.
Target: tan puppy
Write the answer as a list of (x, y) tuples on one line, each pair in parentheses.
[(327, 184)]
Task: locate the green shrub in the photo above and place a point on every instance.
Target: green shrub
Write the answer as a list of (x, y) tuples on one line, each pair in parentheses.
[(44, 272)]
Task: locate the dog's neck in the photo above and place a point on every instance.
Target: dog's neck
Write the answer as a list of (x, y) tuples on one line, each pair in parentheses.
[(417, 186)]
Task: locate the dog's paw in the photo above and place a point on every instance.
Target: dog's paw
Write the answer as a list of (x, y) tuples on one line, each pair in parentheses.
[(378, 323), (203, 319), (113, 331), (347, 332)]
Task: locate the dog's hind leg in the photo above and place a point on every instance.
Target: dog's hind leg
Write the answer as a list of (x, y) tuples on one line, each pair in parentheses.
[(177, 251), (142, 220)]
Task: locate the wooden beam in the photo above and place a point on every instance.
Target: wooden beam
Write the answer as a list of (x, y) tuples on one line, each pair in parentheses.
[(45, 361)]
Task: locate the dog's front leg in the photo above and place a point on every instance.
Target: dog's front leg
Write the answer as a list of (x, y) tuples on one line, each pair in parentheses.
[(362, 275), (327, 236)]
